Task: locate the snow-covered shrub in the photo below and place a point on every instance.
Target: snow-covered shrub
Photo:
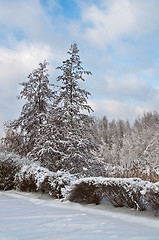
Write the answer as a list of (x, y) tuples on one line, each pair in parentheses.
[(56, 184), (25, 180), (123, 193), (132, 193), (119, 192), (151, 197), (10, 164), (34, 178), (85, 192)]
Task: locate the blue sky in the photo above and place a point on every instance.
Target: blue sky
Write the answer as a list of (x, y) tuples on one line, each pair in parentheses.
[(118, 42)]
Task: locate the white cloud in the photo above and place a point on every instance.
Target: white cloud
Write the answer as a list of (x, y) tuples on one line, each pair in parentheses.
[(153, 102), (128, 86), (108, 25), (111, 20), (24, 17), (17, 63), (114, 109), (130, 109)]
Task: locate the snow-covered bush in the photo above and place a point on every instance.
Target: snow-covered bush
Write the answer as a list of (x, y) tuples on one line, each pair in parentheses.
[(151, 197), (34, 178), (18, 173), (10, 164), (84, 191), (132, 193)]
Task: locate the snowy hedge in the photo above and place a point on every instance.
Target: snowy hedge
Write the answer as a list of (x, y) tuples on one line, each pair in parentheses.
[(132, 193), (34, 178), (19, 174), (10, 164)]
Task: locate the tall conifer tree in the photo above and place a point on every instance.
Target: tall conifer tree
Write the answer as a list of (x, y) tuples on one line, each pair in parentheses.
[(22, 133), (74, 108)]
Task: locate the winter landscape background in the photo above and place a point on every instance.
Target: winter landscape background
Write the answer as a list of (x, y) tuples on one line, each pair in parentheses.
[(78, 136)]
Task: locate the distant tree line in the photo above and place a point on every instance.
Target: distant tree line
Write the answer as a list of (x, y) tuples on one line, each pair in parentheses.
[(130, 148)]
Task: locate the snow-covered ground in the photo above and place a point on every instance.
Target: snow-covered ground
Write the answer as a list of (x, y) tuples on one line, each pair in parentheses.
[(25, 216)]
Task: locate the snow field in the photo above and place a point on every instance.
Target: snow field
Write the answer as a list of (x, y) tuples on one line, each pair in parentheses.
[(26, 216)]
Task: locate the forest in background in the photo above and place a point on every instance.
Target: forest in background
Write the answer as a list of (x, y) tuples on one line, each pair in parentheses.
[(129, 150)]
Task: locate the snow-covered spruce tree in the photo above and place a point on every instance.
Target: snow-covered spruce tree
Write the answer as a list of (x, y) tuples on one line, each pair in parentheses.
[(72, 108), (48, 148), (23, 133)]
